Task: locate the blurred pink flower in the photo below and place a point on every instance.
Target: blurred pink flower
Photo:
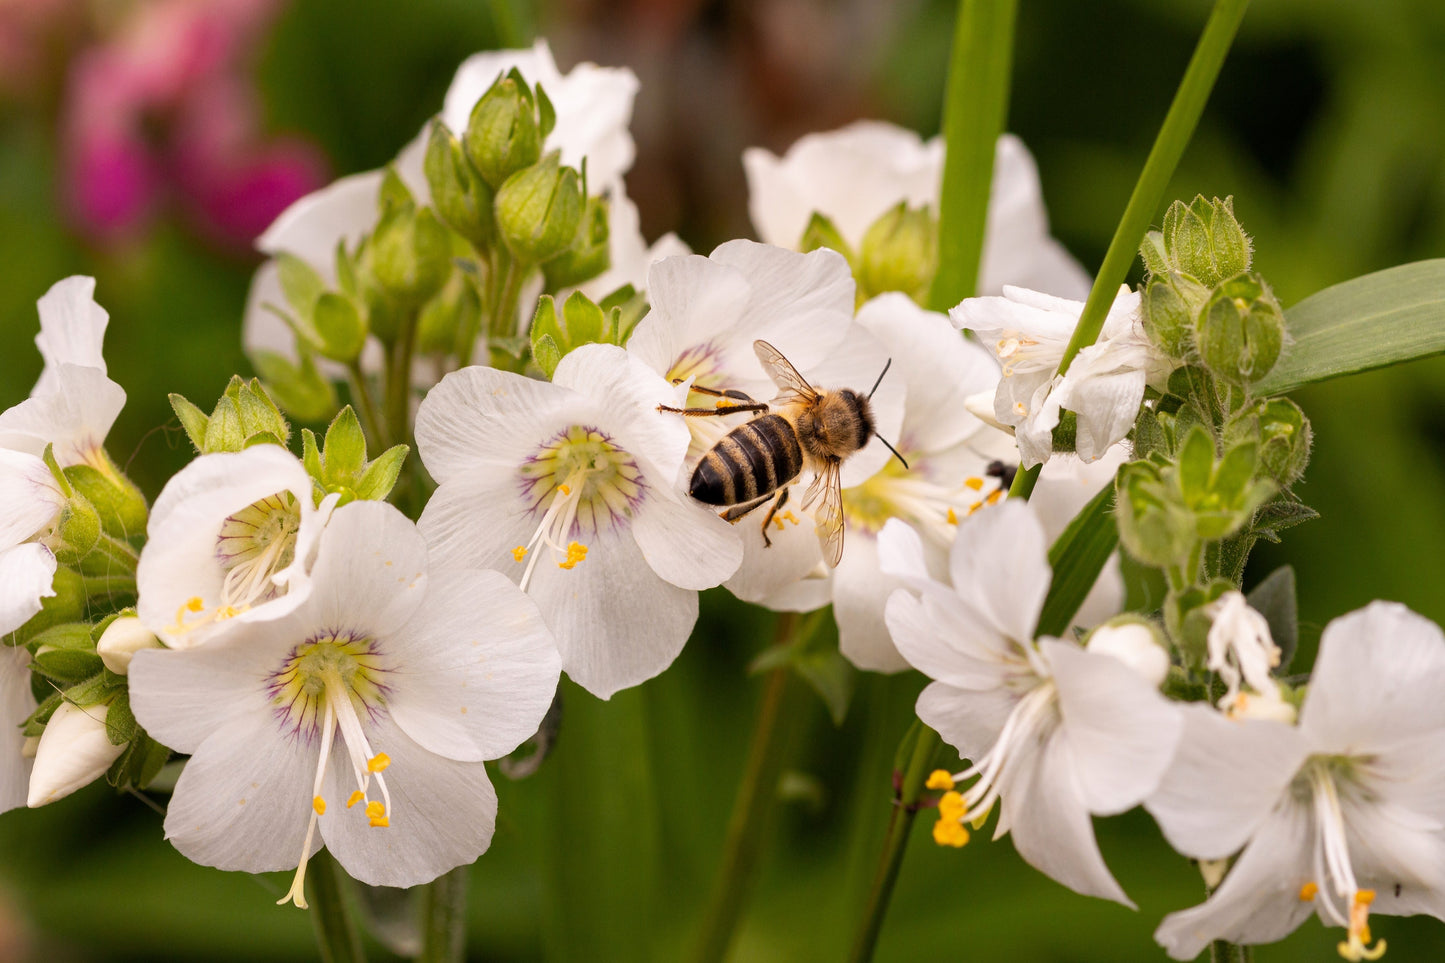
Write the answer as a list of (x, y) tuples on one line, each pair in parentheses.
[(163, 112)]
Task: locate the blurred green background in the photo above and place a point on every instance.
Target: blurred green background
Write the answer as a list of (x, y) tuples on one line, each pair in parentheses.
[(1326, 127)]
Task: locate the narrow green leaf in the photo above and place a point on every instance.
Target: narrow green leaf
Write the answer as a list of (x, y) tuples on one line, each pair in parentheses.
[(1380, 319), (1077, 558)]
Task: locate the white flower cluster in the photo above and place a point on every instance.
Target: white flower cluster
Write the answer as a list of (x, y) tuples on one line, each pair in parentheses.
[(339, 676)]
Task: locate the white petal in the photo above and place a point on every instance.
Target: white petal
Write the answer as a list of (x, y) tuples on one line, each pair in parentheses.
[(1397, 853), (900, 552), (1258, 901), (74, 414), (696, 301), (860, 593), (1119, 731), (311, 227), (1107, 404), (442, 814), (967, 720), (616, 622), (476, 669), (72, 329), (75, 750), (1377, 679), (793, 555), (1000, 565), (30, 498), (686, 543), (371, 569), (801, 304), (1017, 248), (16, 704), (26, 574), (1048, 815), (475, 522), (244, 798), (628, 391)]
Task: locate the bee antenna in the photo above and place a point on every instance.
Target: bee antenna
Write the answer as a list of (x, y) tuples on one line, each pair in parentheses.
[(886, 365), (900, 458)]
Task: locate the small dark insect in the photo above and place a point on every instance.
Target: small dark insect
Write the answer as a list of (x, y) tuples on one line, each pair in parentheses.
[(803, 427)]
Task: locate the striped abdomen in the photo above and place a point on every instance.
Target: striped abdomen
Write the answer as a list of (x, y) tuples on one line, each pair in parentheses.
[(751, 461)]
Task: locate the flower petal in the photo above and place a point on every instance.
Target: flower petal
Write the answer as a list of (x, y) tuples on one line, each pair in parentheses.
[(686, 543), (74, 414), (16, 704), (72, 329), (371, 570), (482, 419), (30, 496), (476, 669), (1000, 565), (968, 720), (860, 594), (312, 226)]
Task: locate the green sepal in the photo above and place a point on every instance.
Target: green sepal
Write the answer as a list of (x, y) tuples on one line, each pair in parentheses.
[(344, 454), (394, 193), (546, 113), (378, 478), (461, 196), (193, 420), (300, 283), (121, 507), (538, 209), (821, 232), (139, 764), (120, 724), (340, 330), (547, 355)]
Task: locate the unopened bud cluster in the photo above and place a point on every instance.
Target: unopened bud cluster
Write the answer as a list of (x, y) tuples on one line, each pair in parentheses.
[(899, 251)]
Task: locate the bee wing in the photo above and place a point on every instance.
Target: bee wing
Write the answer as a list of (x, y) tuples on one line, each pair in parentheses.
[(827, 492), (794, 386)]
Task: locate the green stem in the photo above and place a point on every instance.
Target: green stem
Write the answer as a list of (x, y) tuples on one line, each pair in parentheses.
[(504, 315), (975, 107), (107, 585), (1223, 951), (1024, 481), (337, 938), (753, 805), (398, 382), (1169, 146), (366, 404), (900, 823), (444, 918)]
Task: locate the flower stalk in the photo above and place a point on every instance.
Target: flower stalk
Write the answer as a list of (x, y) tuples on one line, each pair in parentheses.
[(337, 937), (444, 918)]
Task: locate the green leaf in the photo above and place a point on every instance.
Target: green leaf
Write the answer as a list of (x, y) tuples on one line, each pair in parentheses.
[(120, 724), (1380, 319), (583, 318), (547, 355), (1077, 558), (1274, 598)]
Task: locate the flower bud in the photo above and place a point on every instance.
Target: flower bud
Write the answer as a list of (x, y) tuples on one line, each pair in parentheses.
[(590, 253), (538, 210), (1152, 250), (1137, 644), (450, 318), (74, 750), (121, 640), (899, 253), (76, 531), (503, 136), (1205, 240), (300, 388), (117, 501), (340, 330), (462, 199), (244, 415), (1283, 434), (1241, 330), (1171, 305), (411, 257), (821, 232), (1153, 527)]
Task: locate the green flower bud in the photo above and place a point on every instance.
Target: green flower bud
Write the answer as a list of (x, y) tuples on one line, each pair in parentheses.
[(581, 321), (1283, 435), (1153, 527), (1241, 330), (1205, 240), (117, 501), (341, 466), (463, 200), (503, 135), (1171, 304), (76, 531), (821, 232), (538, 210), (244, 415), (449, 319), (900, 253), (340, 330), (411, 257), (1152, 250), (589, 254), (300, 388)]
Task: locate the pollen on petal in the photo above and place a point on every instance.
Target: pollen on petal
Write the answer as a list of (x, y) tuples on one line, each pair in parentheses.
[(791, 517), (1308, 892), (939, 779), (949, 832), (355, 798), (319, 805), (378, 762)]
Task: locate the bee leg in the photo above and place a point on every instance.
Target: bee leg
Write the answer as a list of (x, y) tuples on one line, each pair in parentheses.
[(733, 513), (729, 402), (768, 518)]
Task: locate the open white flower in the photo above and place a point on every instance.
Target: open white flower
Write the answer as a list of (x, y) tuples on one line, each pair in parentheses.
[(231, 538), (570, 488), (1056, 733), (364, 715), (16, 704), (855, 174), (1339, 816), (1104, 385)]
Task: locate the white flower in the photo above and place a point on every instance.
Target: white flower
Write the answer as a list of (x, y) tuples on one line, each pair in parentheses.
[(364, 714), (75, 750), (855, 174), (16, 704), (230, 539), (1057, 733), (1241, 650), (1341, 815), (72, 329), (121, 640), (593, 107), (570, 488), (1028, 332), (1134, 644)]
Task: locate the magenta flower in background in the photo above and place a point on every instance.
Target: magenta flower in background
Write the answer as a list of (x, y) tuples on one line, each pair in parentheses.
[(163, 110)]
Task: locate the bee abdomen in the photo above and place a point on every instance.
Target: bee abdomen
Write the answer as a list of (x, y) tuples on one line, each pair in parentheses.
[(752, 460)]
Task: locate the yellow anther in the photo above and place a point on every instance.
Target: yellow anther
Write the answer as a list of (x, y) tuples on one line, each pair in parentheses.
[(1308, 892), (228, 612), (564, 489), (378, 762), (952, 517), (195, 604), (949, 832), (1357, 946), (520, 552), (975, 483), (379, 822), (355, 798), (576, 552), (319, 805), (1364, 897), (376, 809), (939, 779), (994, 496), (951, 806)]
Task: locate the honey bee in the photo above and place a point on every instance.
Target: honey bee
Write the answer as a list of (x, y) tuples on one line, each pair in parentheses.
[(803, 427)]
